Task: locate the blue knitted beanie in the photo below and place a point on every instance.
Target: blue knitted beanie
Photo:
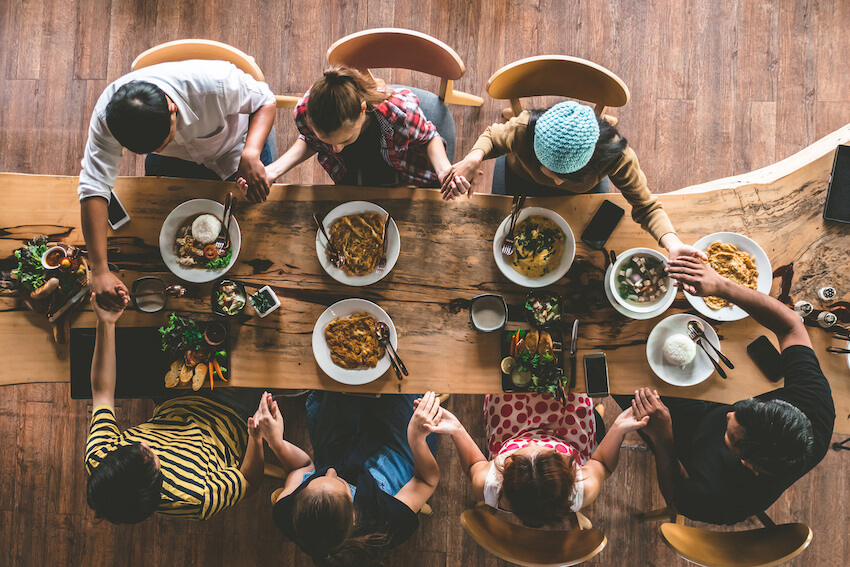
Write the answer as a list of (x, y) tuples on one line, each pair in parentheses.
[(565, 137)]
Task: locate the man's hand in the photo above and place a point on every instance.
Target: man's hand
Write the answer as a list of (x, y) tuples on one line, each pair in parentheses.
[(696, 275), (426, 412), (462, 177), (252, 170), (648, 403), (268, 421), (110, 291)]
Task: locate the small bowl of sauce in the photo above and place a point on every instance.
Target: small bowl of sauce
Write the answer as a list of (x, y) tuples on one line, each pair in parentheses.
[(488, 312), (215, 334), (52, 257)]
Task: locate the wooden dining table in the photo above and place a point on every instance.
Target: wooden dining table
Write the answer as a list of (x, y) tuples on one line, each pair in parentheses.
[(446, 259)]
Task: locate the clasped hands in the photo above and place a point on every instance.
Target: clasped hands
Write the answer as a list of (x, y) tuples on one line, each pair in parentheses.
[(267, 422), (647, 404)]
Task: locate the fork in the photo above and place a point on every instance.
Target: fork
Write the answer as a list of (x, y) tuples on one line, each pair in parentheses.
[(382, 262), (221, 240), (696, 338), (336, 258), (508, 243)]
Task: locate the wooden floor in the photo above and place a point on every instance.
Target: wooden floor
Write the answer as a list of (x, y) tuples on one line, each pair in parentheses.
[(718, 88)]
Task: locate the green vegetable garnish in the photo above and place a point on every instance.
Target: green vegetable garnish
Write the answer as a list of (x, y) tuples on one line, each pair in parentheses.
[(180, 334), (261, 301), (31, 273), (220, 261)]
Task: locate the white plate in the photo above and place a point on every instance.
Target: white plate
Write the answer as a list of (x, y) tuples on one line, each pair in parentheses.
[(176, 219), (695, 372), (628, 312), (550, 278), (322, 353), (764, 281), (353, 208)]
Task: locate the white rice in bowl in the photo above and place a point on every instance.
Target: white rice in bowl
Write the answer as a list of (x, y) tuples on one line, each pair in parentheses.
[(205, 228), (679, 350)]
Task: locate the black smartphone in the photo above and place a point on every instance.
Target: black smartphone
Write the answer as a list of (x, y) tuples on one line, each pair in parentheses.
[(596, 374), (118, 216), (602, 224), (837, 207), (766, 357)]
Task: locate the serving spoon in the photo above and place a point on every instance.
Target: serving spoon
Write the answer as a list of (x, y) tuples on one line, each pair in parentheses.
[(383, 331), (336, 258)]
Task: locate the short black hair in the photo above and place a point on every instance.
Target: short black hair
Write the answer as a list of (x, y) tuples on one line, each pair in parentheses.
[(125, 487), (777, 439), (138, 117), (610, 146)]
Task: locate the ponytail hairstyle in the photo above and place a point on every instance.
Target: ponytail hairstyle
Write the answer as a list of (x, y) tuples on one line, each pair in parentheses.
[(539, 487), (336, 98), (324, 525)]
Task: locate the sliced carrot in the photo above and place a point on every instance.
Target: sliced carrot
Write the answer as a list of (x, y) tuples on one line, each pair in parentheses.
[(218, 370), (512, 350), (212, 376)]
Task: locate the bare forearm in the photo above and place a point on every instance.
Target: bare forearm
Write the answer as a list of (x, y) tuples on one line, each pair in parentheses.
[(252, 465), (289, 455), (467, 450), (425, 466), (296, 154), (103, 366), (259, 126), (608, 451), (766, 310), (668, 468), (94, 217)]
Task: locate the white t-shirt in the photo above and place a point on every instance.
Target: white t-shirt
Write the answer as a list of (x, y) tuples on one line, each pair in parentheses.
[(214, 101)]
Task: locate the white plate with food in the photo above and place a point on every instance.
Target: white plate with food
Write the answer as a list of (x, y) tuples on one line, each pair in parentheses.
[(356, 229), (544, 248), (744, 261), (344, 346), (638, 281), (674, 357), (185, 256)]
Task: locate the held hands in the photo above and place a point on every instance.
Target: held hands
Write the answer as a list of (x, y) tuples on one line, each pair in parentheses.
[(267, 422), (696, 276), (103, 315), (647, 403), (444, 424), (461, 178), (427, 413), (252, 178), (677, 249), (110, 291), (627, 421)]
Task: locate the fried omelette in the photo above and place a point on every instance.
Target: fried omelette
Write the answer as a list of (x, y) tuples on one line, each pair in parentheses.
[(732, 264), (360, 239), (353, 341)]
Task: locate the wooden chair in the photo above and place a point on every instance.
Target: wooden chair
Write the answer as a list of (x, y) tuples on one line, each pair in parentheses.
[(531, 547), (558, 75), (184, 49), (761, 547), (383, 48)]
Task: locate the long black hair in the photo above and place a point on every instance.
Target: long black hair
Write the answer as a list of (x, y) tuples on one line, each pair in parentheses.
[(138, 117), (610, 146)]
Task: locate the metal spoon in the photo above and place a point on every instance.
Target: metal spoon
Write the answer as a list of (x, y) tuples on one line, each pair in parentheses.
[(697, 326), (385, 342), (384, 333), (336, 258)]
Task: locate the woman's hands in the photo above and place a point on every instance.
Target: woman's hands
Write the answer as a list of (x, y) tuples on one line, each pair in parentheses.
[(103, 315), (627, 421), (647, 404), (462, 176), (426, 414), (267, 422), (445, 423)]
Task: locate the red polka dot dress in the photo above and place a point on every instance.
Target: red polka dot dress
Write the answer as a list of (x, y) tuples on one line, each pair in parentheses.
[(514, 420)]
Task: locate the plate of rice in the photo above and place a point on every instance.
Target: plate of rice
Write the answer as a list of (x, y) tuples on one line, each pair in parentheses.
[(674, 357), (196, 224)]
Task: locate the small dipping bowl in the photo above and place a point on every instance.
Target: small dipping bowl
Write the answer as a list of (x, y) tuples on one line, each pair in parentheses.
[(488, 312), (216, 308), (149, 294), (542, 295), (215, 333), (51, 255)]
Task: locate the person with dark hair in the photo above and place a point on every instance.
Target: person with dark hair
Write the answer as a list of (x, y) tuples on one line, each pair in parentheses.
[(193, 458), (195, 119), (721, 463), (566, 149), (365, 133), (374, 471), (544, 459)]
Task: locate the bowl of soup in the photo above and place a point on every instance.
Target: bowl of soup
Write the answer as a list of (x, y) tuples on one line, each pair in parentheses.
[(638, 280)]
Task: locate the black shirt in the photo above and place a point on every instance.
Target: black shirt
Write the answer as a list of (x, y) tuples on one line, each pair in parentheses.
[(377, 512), (720, 489)]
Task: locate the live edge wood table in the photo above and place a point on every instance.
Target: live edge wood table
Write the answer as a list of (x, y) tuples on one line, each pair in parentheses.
[(446, 259)]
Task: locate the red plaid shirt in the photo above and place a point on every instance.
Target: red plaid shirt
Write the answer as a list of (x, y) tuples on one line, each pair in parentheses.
[(405, 133)]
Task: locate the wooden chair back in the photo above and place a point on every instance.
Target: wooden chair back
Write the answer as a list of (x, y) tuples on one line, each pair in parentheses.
[(761, 547), (558, 75), (530, 547), (383, 48), (185, 49)]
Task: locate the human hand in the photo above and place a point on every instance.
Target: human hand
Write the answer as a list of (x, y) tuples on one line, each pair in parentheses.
[(627, 421), (268, 420), (253, 173), (648, 403), (104, 315), (461, 177), (110, 291), (697, 277), (426, 412), (445, 422)]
